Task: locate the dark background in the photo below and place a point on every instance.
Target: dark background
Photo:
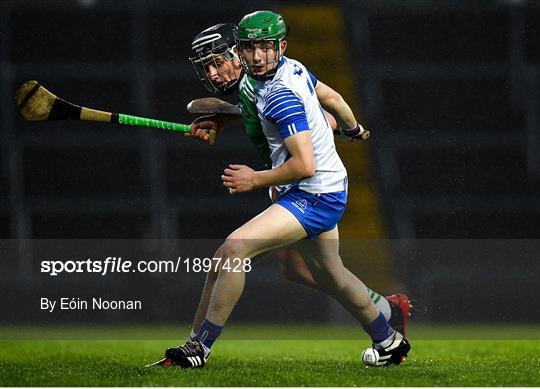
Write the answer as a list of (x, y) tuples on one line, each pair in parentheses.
[(449, 89)]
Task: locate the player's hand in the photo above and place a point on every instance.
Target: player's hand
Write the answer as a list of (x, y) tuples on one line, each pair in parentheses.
[(201, 127), (356, 133), (239, 178)]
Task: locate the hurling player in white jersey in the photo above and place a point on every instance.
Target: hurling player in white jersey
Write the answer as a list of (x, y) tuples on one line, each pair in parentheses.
[(312, 182), (217, 64)]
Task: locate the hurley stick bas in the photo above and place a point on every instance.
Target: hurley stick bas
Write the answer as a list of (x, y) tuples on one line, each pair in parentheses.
[(36, 103)]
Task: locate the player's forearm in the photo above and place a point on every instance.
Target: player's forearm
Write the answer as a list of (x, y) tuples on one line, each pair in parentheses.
[(341, 111), (334, 103), (293, 170)]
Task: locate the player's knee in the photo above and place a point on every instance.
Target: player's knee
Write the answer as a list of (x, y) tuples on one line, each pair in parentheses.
[(234, 248), (289, 274), (282, 263), (287, 266)]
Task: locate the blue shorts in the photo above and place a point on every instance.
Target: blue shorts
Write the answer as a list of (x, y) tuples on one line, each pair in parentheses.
[(317, 213)]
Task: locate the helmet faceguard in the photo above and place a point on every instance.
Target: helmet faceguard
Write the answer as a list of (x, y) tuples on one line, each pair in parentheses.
[(214, 58), (265, 69), (261, 31)]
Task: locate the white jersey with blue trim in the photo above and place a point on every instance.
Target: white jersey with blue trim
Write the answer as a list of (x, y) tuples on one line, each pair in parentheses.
[(288, 104)]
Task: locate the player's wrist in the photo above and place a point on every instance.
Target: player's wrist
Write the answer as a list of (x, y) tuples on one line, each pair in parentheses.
[(258, 179), (356, 133), (352, 132)]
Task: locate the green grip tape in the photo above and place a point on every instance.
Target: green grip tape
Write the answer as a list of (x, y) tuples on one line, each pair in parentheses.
[(146, 122)]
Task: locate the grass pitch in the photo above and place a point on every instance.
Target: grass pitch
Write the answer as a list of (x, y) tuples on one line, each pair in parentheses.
[(282, 361)]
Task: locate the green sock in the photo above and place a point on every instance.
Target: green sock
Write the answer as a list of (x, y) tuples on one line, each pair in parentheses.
[(381, 303)]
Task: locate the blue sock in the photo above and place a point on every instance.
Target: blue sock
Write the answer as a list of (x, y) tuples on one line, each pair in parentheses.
[(208, 333), (379, 330)]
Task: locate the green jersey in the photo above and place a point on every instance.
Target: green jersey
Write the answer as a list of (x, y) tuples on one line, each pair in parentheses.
[(247, 105)]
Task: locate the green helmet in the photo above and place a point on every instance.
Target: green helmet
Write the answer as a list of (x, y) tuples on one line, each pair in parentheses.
[(261, 26)]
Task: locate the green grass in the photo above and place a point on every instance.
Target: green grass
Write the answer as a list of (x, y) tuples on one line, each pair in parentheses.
[(266, 362)]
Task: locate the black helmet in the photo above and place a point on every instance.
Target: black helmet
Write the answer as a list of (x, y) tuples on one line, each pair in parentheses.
[(216, 40)]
